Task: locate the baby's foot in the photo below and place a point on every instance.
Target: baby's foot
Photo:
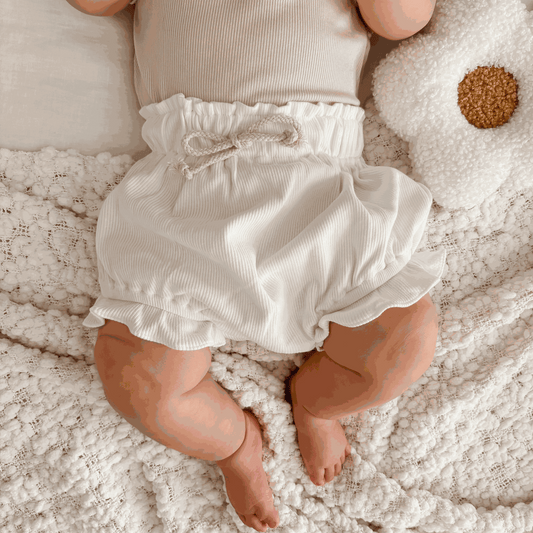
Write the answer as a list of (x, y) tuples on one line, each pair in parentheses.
[(322, 442), (246, 481)]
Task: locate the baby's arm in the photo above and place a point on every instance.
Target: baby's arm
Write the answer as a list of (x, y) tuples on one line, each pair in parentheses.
[(99, 8)]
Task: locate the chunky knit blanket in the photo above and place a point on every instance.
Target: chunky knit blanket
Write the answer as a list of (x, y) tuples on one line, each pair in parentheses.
[(454, 453)]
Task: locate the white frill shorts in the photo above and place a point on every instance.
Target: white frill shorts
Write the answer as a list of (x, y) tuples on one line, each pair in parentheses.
[(279, 230)]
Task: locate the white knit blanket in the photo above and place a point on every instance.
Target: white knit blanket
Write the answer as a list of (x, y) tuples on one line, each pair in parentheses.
[(454, 453)]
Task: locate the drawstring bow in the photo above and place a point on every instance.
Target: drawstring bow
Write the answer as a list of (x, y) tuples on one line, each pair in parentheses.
[(229, 146)]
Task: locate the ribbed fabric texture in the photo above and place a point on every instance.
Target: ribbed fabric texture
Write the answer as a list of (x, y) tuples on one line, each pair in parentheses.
[(272, 51), (268, 246)]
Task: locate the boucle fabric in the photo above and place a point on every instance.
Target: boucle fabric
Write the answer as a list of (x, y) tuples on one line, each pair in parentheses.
[(453, 453)]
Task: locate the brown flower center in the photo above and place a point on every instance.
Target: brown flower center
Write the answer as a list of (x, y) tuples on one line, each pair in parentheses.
[(488, 97)]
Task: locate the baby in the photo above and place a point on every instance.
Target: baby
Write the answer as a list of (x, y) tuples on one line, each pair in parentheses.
[(284, 238)]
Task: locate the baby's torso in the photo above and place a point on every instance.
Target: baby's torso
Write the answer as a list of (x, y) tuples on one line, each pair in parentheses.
[(271, 51)]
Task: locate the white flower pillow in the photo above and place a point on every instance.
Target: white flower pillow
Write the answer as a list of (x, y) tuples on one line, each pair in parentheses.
[(461, 94), (67, 80)]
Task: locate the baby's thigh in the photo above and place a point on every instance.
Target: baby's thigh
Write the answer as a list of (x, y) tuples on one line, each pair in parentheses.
[(138, 375)]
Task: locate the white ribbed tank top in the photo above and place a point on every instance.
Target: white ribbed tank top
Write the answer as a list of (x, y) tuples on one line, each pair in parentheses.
[(269, 51)]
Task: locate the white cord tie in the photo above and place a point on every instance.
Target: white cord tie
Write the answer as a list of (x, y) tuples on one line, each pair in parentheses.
[(229, 146)]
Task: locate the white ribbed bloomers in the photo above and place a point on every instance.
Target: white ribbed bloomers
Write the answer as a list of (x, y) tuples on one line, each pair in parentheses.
[(269, 245)]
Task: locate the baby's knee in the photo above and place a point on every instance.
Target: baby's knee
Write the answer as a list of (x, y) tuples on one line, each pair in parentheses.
[(138, 375), (417, 337), (427, 326), (114, 350), (426, 315), (415, 349)]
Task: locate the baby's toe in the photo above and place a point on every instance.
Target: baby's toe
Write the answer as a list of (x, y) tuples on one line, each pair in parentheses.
[(317, 475), (267, 516), (253, 522), (329, 474)]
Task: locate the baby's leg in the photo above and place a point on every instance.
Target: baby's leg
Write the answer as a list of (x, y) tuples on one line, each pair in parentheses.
[(378, 361), (170, 396), (359, 368)]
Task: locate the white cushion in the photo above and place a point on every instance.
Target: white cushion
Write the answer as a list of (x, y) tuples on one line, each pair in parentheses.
[(67, 80)]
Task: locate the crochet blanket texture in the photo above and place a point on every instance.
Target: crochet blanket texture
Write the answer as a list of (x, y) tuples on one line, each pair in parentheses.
[(454, 453)]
